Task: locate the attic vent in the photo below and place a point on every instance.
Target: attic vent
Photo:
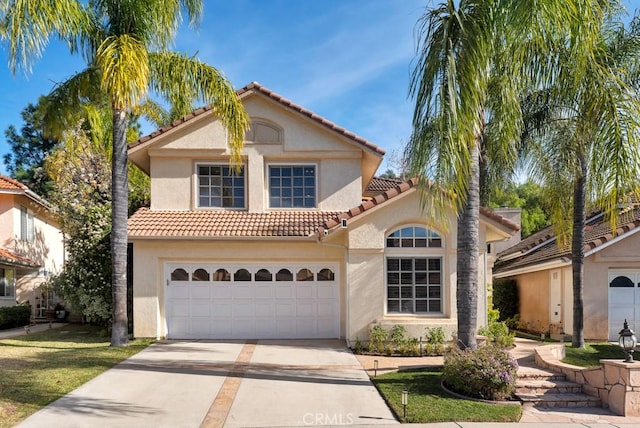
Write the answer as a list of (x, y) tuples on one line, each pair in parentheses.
[(263, 132)]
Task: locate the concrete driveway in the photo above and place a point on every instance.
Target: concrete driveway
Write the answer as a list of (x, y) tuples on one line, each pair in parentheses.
[(231, 384)]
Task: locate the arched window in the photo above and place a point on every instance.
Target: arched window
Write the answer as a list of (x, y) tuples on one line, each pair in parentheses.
[(263, 275), (621, 281), (222, 275), (414, 279), (242, 275), (304, 275), (326, 275), (414, 237), (179, 275), (284, 275), (200, 275)]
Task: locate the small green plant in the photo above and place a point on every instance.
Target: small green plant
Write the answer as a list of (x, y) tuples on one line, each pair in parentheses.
[(377, 338), (488, 372), (358, 347), (412, 347), (496, 331), (435, 335), (398, 336)]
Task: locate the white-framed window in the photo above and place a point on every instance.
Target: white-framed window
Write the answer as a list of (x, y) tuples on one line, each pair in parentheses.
[(7, 283), (220, 186), (292, 186), (26, 225), (414, 271)]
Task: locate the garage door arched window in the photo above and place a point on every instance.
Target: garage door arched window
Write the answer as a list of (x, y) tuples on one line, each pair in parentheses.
[(414, 280), (263, 275), (222, 275), (304, 275), (284, 275), (179, 275), (326, 275), (200, 275), (242, 275), (621, 282)]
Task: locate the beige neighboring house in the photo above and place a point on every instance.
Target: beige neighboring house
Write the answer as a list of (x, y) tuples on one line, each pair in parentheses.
[(301, 242), (31, 246), (544, 278)]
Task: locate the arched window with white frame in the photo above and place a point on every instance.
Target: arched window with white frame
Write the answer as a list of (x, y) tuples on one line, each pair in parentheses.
[(414, 266)]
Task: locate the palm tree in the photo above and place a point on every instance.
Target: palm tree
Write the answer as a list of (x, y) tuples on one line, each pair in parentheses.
[(124, 44), (585, 142), (474, 60)]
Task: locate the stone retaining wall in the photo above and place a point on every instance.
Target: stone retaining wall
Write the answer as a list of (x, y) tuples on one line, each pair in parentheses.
[(616, 383)]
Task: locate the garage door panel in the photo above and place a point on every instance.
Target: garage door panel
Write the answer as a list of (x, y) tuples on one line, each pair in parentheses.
[(624, 300), (272, 307)]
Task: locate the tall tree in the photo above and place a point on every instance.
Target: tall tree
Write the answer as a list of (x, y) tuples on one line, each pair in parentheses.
[(124, 44), (474, 58), (584, 142), (29, 148)]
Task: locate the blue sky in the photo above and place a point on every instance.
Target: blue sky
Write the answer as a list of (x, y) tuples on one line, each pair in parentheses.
[(349, 61)]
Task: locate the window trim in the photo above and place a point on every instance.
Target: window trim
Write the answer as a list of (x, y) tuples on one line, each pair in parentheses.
[(267, 181), (196, 185)]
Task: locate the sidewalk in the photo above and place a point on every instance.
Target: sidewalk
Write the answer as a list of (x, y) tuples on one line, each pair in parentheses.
[(20, 331)]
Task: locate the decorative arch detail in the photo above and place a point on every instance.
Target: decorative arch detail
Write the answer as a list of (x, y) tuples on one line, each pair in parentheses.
[(264, 132)]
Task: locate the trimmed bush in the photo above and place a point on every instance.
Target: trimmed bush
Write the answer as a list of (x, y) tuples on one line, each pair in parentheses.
[(377, 337), (435, 335), (506, 298), (488, 372), (14, 316)]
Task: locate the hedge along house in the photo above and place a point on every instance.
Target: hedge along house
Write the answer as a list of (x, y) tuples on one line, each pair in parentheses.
[(31, 247), (302, 242), (542, 270)]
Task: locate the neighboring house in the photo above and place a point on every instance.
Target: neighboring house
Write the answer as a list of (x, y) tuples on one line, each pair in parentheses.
[(31, 246), (302, 241), (544, 278)]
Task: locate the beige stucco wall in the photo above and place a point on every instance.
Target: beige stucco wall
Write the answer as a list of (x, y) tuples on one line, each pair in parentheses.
[(338, 162), (150, 257), (534, 300)]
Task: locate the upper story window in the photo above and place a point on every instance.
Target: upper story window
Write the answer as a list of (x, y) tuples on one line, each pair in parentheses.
[(414, 281), (221, 186), (292, 186), (27, 232)]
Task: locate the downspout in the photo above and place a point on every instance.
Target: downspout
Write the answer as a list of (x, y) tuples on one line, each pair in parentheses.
[(346, 279)]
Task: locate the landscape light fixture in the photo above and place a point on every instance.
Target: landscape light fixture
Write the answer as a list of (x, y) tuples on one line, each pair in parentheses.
[(405, 401), (375, 368), (627, 342)]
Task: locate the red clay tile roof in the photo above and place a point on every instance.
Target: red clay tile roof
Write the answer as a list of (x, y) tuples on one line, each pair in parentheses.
[(209, 224), (258, 88), (379, 184), (597, 232), (146, 223), (7, 257), (11, 184)]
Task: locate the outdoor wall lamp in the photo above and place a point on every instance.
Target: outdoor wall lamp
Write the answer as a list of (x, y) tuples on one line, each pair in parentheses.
[(405, 401), (627, 342)]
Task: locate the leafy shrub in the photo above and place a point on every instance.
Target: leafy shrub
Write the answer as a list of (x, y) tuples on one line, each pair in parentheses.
[(488, 372), (506, 298), (358, 348), (377, 339), (435, 335), (398, 336), (14, 316)]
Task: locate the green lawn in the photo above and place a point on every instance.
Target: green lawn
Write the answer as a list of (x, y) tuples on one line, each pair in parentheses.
[(592, 354), (429, 403), (41, 367)]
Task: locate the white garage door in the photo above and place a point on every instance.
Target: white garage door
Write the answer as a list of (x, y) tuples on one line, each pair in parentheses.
[(225, 301), (624, 301)]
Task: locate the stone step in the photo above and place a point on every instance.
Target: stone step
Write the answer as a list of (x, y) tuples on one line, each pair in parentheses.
[(566, 400), (534, 373), (543, 386)]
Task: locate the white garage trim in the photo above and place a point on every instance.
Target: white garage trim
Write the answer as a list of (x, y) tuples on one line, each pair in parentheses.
[(219, 300)]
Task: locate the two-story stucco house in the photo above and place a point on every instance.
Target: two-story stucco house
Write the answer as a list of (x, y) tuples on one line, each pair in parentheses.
[(31, 246), (301, 242)]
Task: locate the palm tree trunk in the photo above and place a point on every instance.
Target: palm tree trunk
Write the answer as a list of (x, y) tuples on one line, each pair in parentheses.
[(119, 201), (467, 264), (577, 252)]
